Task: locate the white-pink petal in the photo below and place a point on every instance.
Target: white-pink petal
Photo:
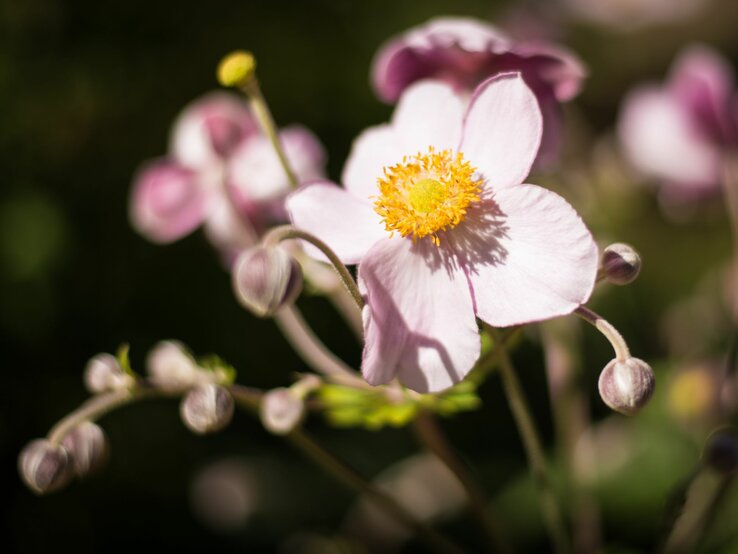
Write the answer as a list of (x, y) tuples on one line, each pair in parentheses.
[(539, 260), (372, 151), (419, 318), (429, 114), (347, 224), (502, 130)]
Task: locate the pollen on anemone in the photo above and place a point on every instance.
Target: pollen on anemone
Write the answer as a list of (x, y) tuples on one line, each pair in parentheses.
[(436, 215)]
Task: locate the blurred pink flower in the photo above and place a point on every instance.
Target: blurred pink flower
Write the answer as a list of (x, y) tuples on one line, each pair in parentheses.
[(220, 172), (463, 52), (435, 213), (677, 132)]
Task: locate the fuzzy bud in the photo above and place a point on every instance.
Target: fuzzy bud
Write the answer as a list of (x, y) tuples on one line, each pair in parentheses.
[(626, 386), (281, 410), (207, 408), (103, 374), (44, 466), (236, 69), (721, 452), (87, 447), (621, 263), (171, 367), (265, 279)]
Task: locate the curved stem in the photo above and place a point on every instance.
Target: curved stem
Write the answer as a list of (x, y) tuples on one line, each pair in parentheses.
[(286, 232), (622, 352), (99, 405), (552, 516), (431, 435), (269, 128), (312, 350)]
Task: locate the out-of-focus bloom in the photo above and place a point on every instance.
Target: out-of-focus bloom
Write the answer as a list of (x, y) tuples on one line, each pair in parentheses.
[(281, 410), (171, 367), (435, 212), (678, 132), (630, 14), (464, 52), (694, 392), (220, 172)]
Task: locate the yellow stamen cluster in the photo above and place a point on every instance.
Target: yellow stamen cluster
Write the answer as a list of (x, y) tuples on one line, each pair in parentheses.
[(426, 194)]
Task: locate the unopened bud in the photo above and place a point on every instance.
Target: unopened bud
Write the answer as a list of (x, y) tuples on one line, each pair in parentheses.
[(87, 447), (171, 367), (721, 451), (621, 263), (281, 410), (265, 279), (44, 466), (236, 69), (207, 408), (627, 385), (103, 374)]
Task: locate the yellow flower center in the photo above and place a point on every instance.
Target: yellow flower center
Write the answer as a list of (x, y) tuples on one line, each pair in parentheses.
[(426, 194)]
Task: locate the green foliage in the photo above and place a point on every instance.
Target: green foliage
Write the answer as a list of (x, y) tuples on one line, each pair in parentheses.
[(226, 373), (124, 360)]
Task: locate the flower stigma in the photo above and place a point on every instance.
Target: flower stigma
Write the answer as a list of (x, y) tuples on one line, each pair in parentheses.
[(426, 194)]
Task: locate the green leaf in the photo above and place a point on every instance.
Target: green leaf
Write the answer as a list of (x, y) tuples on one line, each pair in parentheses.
[(123, 359), (226, 373)]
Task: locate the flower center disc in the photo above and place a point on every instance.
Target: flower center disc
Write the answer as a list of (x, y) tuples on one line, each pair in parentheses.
[(426, 194)]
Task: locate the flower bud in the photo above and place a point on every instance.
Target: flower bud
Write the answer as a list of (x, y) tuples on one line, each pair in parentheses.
[(103, 374), (44, 466), (721, 451), (236, 69), (265, 279), (627, 385), (281, 410), (621, 263), (87, 447), (207, 408), (171, 367)]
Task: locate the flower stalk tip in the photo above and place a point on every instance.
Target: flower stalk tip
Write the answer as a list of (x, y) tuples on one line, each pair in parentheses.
[(236, 69)]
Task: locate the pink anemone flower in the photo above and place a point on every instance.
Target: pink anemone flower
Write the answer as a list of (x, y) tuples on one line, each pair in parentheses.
[(436, 215), (221, 172), (678, 132), (464, 52)]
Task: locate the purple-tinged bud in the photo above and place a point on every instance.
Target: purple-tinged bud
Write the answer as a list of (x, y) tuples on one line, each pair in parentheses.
[(281, 410), (721, 452), (621, 263), (627, 385), (87, 447), (44, 466), (171, 367), (207, 408), (103, 374), (265, 279)]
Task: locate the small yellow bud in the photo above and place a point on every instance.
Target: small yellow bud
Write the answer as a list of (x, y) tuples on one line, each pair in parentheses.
[(237, 68)]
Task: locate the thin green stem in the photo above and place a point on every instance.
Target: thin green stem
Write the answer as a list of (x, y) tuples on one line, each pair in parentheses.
[(286, 232), (552, 516), (431, 435), (261, 111)]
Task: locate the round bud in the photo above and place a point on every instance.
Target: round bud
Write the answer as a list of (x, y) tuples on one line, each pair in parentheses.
[(44, 466), (281, 410), (103, 374), (265, 279), (171, 367), (721, 451), (236, 68), (87, 447), (207, 408), (627, 385), (621, 263)]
